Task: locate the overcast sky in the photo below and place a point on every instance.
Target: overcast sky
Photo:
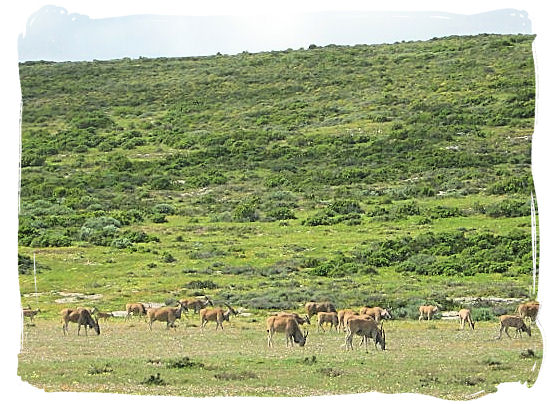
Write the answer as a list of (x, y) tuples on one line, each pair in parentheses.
[(55, 34)]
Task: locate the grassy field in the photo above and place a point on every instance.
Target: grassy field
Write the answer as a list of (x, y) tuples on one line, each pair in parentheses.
[(387, 175), (434, 358)]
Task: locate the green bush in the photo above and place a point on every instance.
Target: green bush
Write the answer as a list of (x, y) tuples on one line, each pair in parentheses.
[(164, 208), (509, 208), (167, 257), (158, 218), (282, 213), (345, 207), (246, 212), (483, 314), (100, 230), (121, 243)]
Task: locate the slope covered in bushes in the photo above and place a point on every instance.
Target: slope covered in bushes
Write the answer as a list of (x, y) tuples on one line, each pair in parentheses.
[(415, 155)]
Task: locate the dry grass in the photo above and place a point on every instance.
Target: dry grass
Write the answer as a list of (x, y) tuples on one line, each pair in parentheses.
[(435, 359)]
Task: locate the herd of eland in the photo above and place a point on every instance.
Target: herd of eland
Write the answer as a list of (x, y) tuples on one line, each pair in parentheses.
[(367, 322)]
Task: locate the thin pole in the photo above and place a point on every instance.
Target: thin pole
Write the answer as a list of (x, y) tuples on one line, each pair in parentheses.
[(35, 288), (534, 241)]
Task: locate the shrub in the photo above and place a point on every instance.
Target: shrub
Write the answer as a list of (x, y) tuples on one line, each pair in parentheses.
[(439, 212), (100, 230), (154, 380), (208, 284), (318, 219), (167, 257), (246, 212), (509, 208), (344, 207), (164, 208), (511, 185), (282, 213), (121, 243), (97, 370), (158, 218), (25, 265), (483, 314), (182, 363)]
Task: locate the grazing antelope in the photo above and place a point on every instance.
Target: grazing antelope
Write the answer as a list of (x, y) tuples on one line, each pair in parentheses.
[(314, 308), (103, 315), (342, 316), (427, 311), (507, 321), (168, 314), (135, 309), (30, 313), (217, 315), (365, 327), (296, 316), (465, 315), (289, 326), (82, 317), (528, 310), (378, 313), (196, 304), (350, 316), (330, 318)]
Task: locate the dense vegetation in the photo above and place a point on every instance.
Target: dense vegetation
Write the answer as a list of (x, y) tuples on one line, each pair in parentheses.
[(410, 159)]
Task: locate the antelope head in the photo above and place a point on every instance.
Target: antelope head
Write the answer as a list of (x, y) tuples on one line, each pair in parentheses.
[(229, 312), (95, 326), (381, 338), (303, 341)]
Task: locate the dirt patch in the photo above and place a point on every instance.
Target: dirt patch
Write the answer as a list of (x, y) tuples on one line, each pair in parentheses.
[(449, 315), (487, 301), (73, 297)]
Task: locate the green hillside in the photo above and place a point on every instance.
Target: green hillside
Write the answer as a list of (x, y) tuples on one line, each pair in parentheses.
[(384, 174)]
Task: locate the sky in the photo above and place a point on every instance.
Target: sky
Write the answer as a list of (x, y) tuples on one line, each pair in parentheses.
[(52, 33), (14, 25)]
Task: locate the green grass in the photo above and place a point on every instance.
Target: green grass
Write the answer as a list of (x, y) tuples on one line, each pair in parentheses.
[(428, 358)]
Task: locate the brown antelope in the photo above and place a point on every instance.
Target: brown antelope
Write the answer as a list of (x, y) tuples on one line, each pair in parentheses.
[(528, 310), (350, 316), (330, 318), (289, 326), (314, 308), (427, 311), (30, 313), (465, 315), (168, 314), (217, 314), (365, 327), (82, 317), (196, 304), (138, 309), (342, 314), (296, 316), (378, 313), (103, 315), (507, 321)]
